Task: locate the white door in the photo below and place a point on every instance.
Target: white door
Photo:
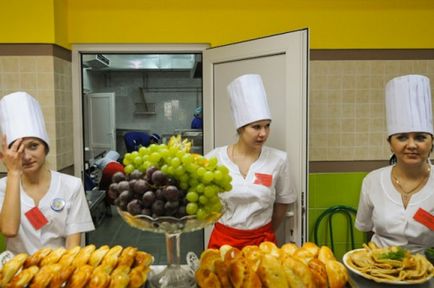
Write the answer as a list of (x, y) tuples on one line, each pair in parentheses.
[(101, 122), (282, 61)]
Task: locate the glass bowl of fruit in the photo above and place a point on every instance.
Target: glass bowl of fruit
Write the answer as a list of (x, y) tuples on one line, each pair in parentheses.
[(166, 189)]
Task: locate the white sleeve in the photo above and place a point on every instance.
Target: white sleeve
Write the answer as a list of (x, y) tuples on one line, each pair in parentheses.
[(285, 189), (79, 218), (364, 211)]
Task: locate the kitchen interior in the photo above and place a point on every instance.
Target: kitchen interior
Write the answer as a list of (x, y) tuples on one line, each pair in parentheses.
[(153, 93)]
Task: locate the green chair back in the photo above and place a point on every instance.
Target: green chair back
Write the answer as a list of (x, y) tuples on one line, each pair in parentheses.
[(327, 215)]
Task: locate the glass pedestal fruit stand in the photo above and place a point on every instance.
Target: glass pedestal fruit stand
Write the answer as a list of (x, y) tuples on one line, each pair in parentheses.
[(173, 275)]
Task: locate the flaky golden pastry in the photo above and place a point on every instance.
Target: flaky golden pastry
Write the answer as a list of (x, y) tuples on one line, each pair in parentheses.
[(80, 277), (222, 272), (45, 274), (35, 258), (11, 267), (242, 275), (99, 279), (270, 248), (319, 273), (97, 255), (112, 256), (23, 278), (231, 254), (304, 255), (300, 269), (69, 256), (83, 256), (138, 276), (119, 280), (253, 255), (62, 277), (53, 257), (311, 247), (127, 256), (337, 274), (208, 258), (288, 249), (271, 273), (143, 258), (325, 254), (207, 279)]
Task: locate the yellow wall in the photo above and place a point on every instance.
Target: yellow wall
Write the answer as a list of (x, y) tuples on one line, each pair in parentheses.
[(333, 24), (26, 21)]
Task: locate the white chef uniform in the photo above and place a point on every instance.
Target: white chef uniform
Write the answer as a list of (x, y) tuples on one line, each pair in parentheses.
[(408, 109), (64, 205), (249, 205)]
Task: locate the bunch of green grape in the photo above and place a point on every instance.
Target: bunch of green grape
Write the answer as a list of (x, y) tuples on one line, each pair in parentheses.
[(201, 178)]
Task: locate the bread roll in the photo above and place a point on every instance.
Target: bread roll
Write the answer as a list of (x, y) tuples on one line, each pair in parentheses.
[(270, 248), (23, 278), (304, 255), (119, 280), (45, 274), (253, 255), (127, 256), (319, 273), (208, 258), (325, 254), (271, 273), (138, 276), (230, 255), (62, 277), (97, 255), (99, 279), (112, 256), (242, 275), (300, 269), (53, 257), (293, 279), (222, 272), (36, 257), (288, 249), (11, 267), (311, 247), (80, 277), (69, 256), (143, 258), (207, 279), (337, 274), (83, 256)]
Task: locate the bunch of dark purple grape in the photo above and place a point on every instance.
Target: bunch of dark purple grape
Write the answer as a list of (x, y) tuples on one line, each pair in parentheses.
[(152, 193)]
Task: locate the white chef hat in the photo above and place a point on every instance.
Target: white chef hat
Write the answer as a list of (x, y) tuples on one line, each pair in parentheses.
[(21, 116), (248, 100), (408, 105)]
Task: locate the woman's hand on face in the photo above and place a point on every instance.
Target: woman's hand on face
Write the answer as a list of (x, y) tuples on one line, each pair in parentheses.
[(12, 157)]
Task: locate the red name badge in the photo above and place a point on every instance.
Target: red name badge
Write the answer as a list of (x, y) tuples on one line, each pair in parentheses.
[(424, 217), (36, 218), (263, 179)]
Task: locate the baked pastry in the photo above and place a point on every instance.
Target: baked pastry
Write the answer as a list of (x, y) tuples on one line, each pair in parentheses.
[(300, 269), (143, 258), (80, 277), (207, 279), (127, 256), (319, 273), (119, 280), (253, 255), (112, 256), (62, 277), (11, 267), (242, 275), (230, 255), (69, 256), (270, 248), (304, 255), (35, 258), (45, 274), (311, 247), (208, 259), (97, 255), (99, 279), (222, 272), (288, 249), (83, 256), (293, 279), (23, 278), (325, 254), (337, 274), (271, 272), (138, 276), (53, 257)]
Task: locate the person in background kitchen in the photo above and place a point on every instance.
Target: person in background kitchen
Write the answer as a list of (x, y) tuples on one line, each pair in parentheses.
[(397, 202), (262, 189), (39, 207), (197, 122)]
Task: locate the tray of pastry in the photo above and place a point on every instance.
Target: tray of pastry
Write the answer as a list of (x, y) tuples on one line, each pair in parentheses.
[(87, 266), (267, 265)]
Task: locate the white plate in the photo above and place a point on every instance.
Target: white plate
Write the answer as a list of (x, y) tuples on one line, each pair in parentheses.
[(380, 280)]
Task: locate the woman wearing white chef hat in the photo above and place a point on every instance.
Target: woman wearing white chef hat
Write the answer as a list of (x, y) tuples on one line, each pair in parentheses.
[(397, 201), (39, 207), (261, 186)]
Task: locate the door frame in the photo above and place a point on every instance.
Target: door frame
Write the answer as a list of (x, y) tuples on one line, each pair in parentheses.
[(77, 91)]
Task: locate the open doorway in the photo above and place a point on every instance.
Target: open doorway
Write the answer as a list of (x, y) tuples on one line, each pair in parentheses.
[(121, 89)]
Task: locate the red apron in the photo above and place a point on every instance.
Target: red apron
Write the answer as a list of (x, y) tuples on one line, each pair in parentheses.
[(222, 234)]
